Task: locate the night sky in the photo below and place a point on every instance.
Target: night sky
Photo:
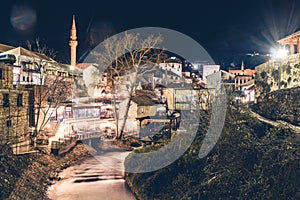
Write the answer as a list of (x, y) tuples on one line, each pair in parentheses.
[(229, 30)]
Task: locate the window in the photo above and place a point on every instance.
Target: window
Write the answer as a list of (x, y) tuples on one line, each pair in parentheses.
[(23, 78), (5, 100), (0, 73), (8, 123), (143, 110), (20, 100)]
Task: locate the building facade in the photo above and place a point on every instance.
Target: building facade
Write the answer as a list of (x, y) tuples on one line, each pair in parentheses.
[(14, 104), (243, 77)]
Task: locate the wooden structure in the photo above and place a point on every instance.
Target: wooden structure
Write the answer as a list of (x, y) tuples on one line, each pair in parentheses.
[(169, 122)]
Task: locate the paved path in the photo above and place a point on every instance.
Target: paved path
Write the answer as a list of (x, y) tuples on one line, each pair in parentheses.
[(95, 178)]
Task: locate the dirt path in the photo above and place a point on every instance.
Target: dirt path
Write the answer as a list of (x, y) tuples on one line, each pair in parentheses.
[(275, 123)]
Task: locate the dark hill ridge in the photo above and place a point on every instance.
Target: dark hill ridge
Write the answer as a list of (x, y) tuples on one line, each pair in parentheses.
[(252, 160), (281, 105)]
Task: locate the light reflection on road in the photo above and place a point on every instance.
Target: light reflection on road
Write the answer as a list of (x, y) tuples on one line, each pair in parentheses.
[(98, 177)]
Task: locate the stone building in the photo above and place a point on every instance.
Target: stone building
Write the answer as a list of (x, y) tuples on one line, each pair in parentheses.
[(280, 72), (183, 96), (13, 108), (292, 42), (243, 77), (6, 77)]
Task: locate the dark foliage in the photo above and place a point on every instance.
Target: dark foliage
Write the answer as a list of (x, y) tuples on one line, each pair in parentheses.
[(281, 105), (251, 160)]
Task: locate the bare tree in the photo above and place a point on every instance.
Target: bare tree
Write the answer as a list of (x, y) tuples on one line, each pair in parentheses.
[(53, 86), (126, 59)]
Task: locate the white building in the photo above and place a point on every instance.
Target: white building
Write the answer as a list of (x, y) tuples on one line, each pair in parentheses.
[(207, 70), (27, 66), (174, 67)]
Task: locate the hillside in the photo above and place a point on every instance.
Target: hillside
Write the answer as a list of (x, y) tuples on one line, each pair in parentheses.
[(11, 169), (27, 176), (281, 105), (252, 160)]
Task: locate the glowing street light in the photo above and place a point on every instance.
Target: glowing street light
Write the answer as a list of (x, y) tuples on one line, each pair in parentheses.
[(280, 53)]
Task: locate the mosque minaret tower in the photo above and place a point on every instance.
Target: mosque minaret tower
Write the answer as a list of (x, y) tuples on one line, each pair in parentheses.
[(73, 43)]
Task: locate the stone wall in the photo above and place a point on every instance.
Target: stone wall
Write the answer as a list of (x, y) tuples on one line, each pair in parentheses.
[(14, 118), (278, 74), (6, 76)]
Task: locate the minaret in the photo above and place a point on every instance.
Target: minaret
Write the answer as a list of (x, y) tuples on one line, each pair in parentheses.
[(73, 43), (242, 68)]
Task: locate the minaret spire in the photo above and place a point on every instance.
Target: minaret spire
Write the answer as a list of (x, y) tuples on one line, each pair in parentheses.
[(73, 43), (243, 66)]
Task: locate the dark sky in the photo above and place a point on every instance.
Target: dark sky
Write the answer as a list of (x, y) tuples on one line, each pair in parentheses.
[(228, 30)]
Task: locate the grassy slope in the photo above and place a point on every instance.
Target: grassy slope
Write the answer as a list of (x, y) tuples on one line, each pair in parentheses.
[(250, 161)]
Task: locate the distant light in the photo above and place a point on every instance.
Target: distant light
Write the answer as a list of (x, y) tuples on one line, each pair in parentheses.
[(173, 57), (72, 67), (195, 67)]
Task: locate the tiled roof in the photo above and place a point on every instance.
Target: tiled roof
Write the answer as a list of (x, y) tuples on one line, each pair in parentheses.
[(20, 51), (83, 66), (4, 47), (296, 34)]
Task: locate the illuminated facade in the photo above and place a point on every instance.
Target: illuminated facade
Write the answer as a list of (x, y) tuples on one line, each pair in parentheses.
[(292, 41)]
